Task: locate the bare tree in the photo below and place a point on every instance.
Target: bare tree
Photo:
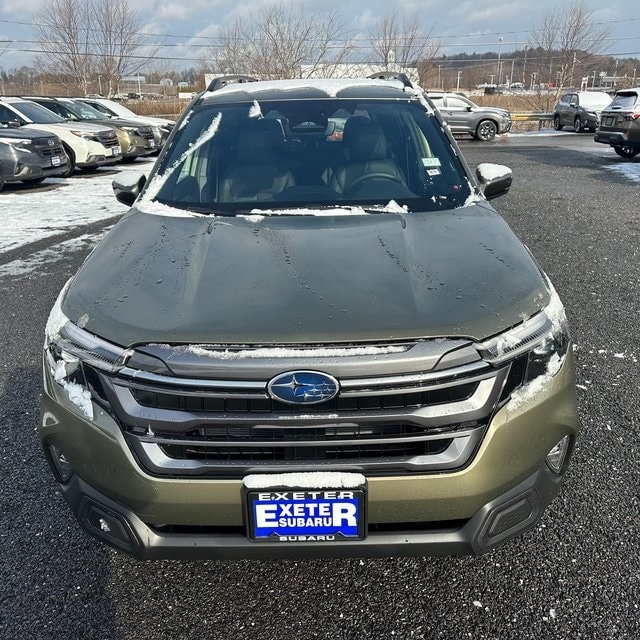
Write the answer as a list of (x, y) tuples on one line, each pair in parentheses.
[(279, 40), (398, 42), (64, 34), (118, 44), (567, 40), (83, 39)]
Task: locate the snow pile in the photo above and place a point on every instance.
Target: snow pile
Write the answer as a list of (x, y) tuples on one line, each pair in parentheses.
[(78, 395), (57, 319), (536, 386), (311, 480), (490, 171), (282, 352), (254, 110)]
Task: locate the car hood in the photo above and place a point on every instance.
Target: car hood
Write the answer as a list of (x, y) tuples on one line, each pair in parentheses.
[(503, 112), (85, 127), (306, 279), (26, 133)]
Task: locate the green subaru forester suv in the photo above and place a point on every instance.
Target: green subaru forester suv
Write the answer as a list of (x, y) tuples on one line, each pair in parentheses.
[(311, 335)]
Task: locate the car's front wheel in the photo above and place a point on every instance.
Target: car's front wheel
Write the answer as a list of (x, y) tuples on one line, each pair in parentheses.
[(486, 130), (626, 152), (72, 162), (578, 125), (557, 125)]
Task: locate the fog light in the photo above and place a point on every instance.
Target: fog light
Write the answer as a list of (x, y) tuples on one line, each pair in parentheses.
[(61, 464), (557, 455)]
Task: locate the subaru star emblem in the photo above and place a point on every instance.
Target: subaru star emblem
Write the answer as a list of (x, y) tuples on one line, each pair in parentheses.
[(303, 387)]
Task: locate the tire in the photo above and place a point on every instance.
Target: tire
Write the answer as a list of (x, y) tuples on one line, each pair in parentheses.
[(626, 152), (578, 126), (1, 183), (486, 130), (72, 162), (556, 123)]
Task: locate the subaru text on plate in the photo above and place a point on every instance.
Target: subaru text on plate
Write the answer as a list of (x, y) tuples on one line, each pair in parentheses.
[(298, 344)]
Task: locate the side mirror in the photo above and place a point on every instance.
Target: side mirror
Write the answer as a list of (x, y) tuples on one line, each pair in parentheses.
[(128, 185), (495, 179), (573, 104), (469, 108)]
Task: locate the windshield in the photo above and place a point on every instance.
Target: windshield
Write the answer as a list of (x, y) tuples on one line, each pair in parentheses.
[(624, 101), (311, 153), (36, 113), (86, 112)]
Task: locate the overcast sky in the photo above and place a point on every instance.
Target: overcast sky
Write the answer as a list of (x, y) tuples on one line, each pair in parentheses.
[(462, 25)]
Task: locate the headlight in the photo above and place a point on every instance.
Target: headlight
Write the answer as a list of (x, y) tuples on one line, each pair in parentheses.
[(17, 142), (69, 349), (85, 135), (544, 338)]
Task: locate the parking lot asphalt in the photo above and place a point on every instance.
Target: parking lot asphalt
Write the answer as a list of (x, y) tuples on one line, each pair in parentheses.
[(576, 575)]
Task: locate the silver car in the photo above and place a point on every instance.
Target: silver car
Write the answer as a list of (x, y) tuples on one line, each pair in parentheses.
[(464, 116)]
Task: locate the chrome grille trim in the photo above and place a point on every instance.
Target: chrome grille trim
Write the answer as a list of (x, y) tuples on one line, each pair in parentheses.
[(362, 386)]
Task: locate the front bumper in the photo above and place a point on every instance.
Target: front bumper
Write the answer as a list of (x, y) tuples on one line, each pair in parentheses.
[(33, 170), (510, 514), (498, 495)]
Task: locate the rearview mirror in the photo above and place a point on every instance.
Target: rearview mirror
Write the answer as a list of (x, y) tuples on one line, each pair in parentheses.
[(495, 179)]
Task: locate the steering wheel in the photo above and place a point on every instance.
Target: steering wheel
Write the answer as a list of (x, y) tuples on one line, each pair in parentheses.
[(376, 175)]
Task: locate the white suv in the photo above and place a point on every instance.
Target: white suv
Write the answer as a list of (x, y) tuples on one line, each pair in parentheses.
[(87, 145)]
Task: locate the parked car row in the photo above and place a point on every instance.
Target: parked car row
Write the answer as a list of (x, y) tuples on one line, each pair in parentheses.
[(615, 121), (43, 137)]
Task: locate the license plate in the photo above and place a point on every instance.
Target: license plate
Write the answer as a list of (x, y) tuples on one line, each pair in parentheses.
[(55, 161), (115, 151), (303, 515)]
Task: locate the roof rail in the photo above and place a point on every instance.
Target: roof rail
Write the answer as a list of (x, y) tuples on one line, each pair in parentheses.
[(223, 81)]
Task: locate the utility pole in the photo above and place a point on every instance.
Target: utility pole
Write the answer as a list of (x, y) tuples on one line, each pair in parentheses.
[(458, 81), (499, 59)]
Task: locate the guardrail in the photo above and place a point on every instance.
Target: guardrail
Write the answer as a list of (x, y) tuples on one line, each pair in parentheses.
[(533, 116)]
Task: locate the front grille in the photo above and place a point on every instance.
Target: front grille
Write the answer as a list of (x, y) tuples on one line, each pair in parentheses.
[(108, 138), (43, 148), (196, 403), (421, 421), (145, 132)]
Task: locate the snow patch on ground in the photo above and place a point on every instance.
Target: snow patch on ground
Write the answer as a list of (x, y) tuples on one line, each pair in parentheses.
[(44, 261), (29, 216), (629, 170)]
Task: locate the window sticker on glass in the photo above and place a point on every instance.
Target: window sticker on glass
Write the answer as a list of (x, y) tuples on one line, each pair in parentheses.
[(431, 162), (433, 172)]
